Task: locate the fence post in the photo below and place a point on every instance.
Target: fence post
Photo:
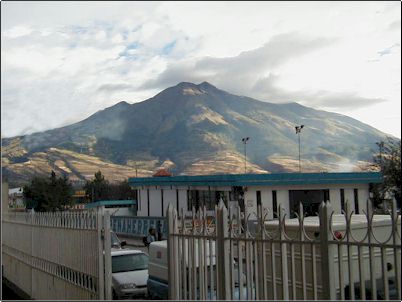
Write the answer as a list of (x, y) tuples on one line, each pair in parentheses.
[(223, 280), (108, 257), (327, 253), (101, 271), (174, 289), (261, 253), (284, 254)]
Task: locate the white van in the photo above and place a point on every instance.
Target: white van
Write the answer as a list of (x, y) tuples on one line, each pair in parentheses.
[(158, 277)]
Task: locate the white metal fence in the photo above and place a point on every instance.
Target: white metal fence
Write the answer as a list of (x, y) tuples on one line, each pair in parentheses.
[(329, 256), (58, 256)]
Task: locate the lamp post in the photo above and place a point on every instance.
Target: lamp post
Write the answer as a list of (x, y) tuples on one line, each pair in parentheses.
[(380, 146), (245, 140), (298, 130)]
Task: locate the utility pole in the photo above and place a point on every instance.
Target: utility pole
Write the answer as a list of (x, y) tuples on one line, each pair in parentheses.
[(298, 130), (245, 140)]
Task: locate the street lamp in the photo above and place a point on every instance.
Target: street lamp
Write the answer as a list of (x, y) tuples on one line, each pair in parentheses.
[(298, 130), (245, 140)]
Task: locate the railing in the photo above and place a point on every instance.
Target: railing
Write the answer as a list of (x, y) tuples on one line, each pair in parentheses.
[(329, 256), (58, 256), (137, 226)]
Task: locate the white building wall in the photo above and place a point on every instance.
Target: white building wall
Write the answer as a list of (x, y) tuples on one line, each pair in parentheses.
[(266, 201), (283, 200), (335, 199), (155, 201), (143, 206), (169, 197), (183, 199), (363, 194)]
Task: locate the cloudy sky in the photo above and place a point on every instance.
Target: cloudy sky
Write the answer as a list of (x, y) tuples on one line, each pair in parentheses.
[(63, 61)]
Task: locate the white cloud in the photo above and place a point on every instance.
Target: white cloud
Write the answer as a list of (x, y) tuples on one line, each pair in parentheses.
[(62, 62), (17, 32)]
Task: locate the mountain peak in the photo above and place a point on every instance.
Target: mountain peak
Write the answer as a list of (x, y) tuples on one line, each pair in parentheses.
[(206, 85), (186, 85)]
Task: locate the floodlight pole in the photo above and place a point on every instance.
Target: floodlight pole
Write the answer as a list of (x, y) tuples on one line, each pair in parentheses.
[(244, 140), (298, 130)]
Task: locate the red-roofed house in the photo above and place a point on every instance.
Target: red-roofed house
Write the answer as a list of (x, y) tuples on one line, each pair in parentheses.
[(162, 173)]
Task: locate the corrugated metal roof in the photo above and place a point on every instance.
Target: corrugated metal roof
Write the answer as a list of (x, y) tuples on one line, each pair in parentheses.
[(274, 179)]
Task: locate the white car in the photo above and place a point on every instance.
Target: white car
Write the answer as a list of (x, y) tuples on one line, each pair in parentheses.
[(129, 273)]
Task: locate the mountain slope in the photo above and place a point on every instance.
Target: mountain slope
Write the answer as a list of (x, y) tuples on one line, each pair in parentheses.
[(197, 129)]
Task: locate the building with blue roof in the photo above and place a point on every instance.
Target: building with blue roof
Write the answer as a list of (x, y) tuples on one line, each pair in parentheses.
[(249, 190), (115, 207)]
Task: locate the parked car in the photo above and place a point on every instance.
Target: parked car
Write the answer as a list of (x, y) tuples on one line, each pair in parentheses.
[(129, 273)]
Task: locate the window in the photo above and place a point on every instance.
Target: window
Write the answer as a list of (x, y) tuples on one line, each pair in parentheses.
[(201, 198), (258, 193), (356, 196), (274, 204), (326, 195), (342, 199), (131, 262)]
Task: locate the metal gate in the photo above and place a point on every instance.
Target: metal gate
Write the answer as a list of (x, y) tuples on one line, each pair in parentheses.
[(236, 257), (58, 256)]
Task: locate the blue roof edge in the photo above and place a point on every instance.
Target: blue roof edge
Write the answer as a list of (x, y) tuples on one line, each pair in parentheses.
[(260, 179)]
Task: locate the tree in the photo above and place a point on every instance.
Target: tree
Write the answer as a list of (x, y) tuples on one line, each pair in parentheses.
[(48, 194), (97, 188), (100, 189), (389, 161)]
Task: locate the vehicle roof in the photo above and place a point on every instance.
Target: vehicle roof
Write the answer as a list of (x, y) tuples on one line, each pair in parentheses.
[(125, 252)]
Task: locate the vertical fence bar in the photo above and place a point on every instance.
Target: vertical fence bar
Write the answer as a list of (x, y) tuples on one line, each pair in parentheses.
[(384, 272), (240, 254), (201, 258), (341, 272), (361, 272), (373, 282), (256, 280), (194, 258), (293, 268), (260, 254), (223, 246), (108, 256), (231, 254), (205, 256), (100, 277), (397, 258), (263, 258), (350, 250), (172, 256), (273, 271), (248, 256), (327, 253), (284, 256), (184, 259), (314, 269), (302, 250)]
